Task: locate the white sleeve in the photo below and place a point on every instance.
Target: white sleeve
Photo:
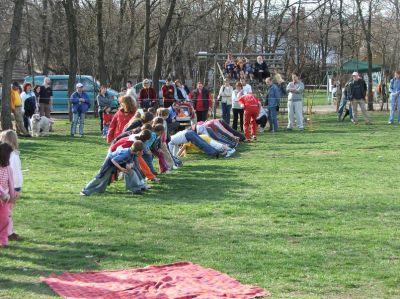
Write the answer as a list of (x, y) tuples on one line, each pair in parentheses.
[(15, 163)]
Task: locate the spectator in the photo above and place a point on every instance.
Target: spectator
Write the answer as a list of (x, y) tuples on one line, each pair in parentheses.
[(29, 104), (273, 99), (236, 107), (246, 87), (357, 93), (394, 97), (80, 105), (46, 99), (225, 95), (261, 70), (295, 90), (230, 67), (248, 70), (168, 92), (201, 101), (182, 91), (147, 96), (130, 91), (16, 108), (103, 100)]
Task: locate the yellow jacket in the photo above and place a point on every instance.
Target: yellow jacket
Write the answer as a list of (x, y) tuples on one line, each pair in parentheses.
[(15, 99)]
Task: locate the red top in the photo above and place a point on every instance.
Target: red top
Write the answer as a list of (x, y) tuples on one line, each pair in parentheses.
[(124, 142), (107, 117), (117, 125), (249, 100), (147, 94), (168, 93), (200, 101)]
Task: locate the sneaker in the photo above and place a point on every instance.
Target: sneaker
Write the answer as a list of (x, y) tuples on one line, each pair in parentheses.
[(155, 180), (230, 153), (390, 123), (254, 137), (83, 193), (146, 188), (15, 237), (174, 167), (81, 136)]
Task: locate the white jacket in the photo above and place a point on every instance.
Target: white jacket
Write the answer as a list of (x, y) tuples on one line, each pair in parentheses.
[(15, 163), (225, 92)]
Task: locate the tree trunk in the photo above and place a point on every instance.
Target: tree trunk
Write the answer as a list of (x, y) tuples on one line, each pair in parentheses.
[(9, 61), (366, 26), (160, 45), (73, 46), (146, 41), (100, 43)]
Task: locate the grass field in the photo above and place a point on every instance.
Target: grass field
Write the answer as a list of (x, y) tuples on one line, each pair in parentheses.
[(311, 214)]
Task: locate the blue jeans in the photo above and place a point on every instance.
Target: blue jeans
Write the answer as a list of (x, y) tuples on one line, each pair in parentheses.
[(200, 143), (226, 112), (273, 119), (343, 102), (148, 158), (394, 104), (105, 129), (75, 118)]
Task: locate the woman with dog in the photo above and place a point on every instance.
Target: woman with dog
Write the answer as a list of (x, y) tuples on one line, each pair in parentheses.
[(29, 104)]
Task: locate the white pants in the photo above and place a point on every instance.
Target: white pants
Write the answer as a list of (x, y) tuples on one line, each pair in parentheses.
[(295, 108)]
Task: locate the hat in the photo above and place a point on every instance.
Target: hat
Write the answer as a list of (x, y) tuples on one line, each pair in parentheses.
[(79, 85), (355, 74)]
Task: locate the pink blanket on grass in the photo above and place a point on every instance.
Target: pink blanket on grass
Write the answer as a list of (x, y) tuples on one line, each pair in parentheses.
[(174, 281)]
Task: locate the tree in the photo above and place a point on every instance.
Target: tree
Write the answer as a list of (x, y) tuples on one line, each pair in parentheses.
[(9, 61), (160, 44), (100, 42), (146, 47), (73, 46)]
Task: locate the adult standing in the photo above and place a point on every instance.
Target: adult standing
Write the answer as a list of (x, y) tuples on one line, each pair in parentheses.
[(16, 108), (80, 104), (46, 99), (357, 93), (237, 109), (273, 99), (168, 91), (29, 104), (225, 94), (295, 91), (261, 70), (201, 101), (394, 97), (147, 96), (103, 100), (246, 87), (182, 91), (130, 91)]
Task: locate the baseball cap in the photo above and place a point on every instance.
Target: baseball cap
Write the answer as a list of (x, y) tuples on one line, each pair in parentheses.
[(354, 74), (79, 85)]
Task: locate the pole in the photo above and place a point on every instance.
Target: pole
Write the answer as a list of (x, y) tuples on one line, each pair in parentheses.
[(215, 88)]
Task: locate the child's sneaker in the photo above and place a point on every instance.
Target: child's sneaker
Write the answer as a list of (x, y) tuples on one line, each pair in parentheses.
[(254, 137), (230, 153), (174, 167)]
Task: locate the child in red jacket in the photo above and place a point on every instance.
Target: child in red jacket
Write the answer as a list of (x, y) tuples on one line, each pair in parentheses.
[(107, 117), (251, 105)]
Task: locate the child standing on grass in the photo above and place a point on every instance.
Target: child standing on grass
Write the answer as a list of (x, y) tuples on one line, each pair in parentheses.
[(107, 118), (10, 137), (8, 196)]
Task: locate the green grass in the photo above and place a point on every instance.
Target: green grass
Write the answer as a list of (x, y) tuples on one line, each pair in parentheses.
[(304, 215)]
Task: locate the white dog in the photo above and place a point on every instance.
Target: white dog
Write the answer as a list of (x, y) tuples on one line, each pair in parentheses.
[(40, 125)]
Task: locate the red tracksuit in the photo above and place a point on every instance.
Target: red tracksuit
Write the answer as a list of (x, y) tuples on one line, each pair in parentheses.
[(251, 111)]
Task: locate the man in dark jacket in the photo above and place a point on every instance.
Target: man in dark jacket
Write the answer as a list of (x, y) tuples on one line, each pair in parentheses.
[(357, 93)]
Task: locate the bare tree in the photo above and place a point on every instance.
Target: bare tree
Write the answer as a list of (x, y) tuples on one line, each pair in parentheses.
[(100, 43), (9, 61)]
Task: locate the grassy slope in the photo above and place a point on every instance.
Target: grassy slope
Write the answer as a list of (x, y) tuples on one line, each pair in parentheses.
[(304, 215)]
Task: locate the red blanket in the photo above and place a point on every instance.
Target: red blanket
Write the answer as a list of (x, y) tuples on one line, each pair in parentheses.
[(174, 281)]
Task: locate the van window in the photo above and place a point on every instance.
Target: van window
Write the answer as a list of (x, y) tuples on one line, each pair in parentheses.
[(60, 84)]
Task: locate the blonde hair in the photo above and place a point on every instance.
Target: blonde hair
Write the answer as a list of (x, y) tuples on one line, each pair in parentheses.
[(10, 137), (162, 112), (278, 78)]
